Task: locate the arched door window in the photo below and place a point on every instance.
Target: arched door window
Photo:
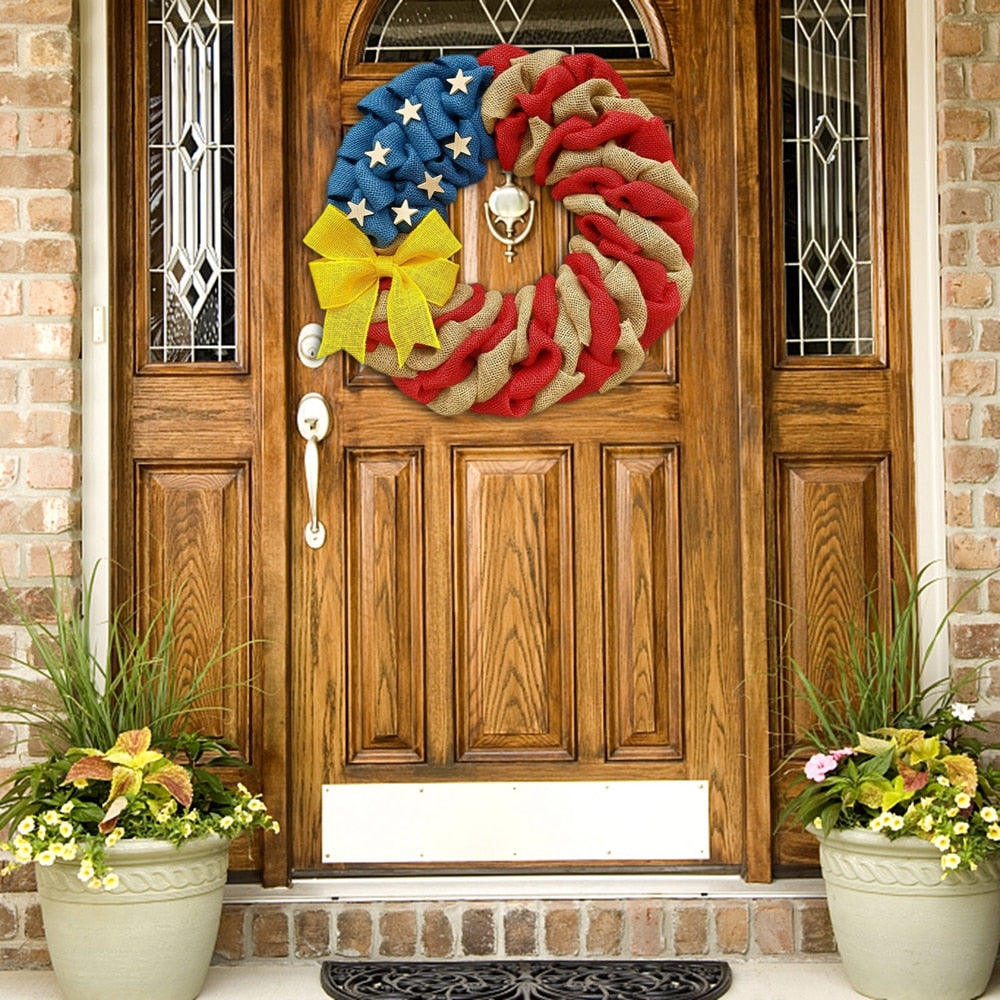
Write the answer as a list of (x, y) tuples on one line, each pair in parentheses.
[(417, 30)]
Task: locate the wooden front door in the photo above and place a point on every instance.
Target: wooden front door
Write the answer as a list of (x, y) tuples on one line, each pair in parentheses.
[(584, 594)]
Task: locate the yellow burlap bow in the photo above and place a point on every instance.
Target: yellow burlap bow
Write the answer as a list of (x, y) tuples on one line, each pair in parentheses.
[(347, 280)]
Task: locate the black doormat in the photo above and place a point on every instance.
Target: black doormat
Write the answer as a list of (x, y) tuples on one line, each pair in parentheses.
[(534, 980)]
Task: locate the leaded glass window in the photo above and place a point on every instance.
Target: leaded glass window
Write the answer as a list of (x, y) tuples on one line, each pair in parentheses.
[(192, 266), (826, 152), (418, 30)]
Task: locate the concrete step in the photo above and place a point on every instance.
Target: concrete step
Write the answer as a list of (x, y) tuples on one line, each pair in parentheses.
[(252, 981)]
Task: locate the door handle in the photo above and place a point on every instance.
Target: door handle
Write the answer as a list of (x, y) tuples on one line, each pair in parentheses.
[(313, 420)]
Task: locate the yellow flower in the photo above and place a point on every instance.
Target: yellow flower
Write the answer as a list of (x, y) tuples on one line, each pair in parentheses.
[(65, 830), (94, 883), (46, 858), (876, 824), (275, 828), (963, 800), (961, 827), (26, 825), (23, 853), (989, 814), (942, 780), (110, 881), (994, 831), (226, 822), (895, 822), (817, 822), (941, 842), (950, 861), (927, 824), (51, 817), (86, 872), (66, 808)]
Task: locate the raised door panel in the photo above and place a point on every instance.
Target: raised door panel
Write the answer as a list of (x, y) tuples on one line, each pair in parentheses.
[(514, 605), (385, 601), (642, 604)]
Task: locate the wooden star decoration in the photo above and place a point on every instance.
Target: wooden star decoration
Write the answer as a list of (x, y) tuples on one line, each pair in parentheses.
[(378, 154), (404, 213), (431, 185), (409, 111), (459, 146), (359, 212), (459, 83)]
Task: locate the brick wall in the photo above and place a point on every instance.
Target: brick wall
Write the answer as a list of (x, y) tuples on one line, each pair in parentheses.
[(969, 178), (40, 516), (39, 348)]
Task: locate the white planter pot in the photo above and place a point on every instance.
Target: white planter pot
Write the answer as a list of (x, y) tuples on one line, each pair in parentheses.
[(903, 932), (150, 938)]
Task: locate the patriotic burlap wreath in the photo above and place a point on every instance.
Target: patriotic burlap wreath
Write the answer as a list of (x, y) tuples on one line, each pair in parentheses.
[(392, 296)]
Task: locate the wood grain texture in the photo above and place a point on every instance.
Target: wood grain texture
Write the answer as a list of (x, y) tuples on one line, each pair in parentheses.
[(514, 605), (642, 551), (385, 607)]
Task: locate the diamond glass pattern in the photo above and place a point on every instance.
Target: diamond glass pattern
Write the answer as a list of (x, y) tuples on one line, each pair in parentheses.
[(419, 30), (827, 175), (191, 181)]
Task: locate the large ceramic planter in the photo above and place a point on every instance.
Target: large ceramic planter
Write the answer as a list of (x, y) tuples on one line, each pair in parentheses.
[(903, 932), (150, 938)]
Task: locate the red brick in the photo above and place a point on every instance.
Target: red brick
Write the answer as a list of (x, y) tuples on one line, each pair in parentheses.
[(8, 215), (991, 510), (478, 932), (8, 922), (989, 335), (54, 385), (645, 930), (49, 129), (36, 12), (957, 417), (960, 124), (970, 463), (951, 81), (230, 943), (51, 256), (991, 421), (520, 932), (973, 552), (969, 291), (24, 957), (10, 297), (437, 936), (817, 931), (732, 928), (604, 930), (52, 213), (38, 89), (987, 6), (34, 927), (9, 131), (972, 377), (39, 429), (958, 510), (955, 248), (562, 932), (8, 47), (992, 594), (961, 38), (988, 246), (51, 516), (398, 933), (270, 932), (44, 559), (951, 164), (41, 341), (39, 170), (984, 80), (11, 256), (773, 928), (975, 642), (8, 471), (945, 7), (963, 205), (51, 297), (691, 930), (986, 163), (52, 470), (50, 48), (312, 933), (354, 933), (956, 336), (8, 386)]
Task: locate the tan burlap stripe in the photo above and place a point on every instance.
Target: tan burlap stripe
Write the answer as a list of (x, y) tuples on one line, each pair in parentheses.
[(500, 97)]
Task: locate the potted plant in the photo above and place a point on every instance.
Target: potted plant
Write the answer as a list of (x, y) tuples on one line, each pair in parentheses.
[(906, 810), (126, 817)]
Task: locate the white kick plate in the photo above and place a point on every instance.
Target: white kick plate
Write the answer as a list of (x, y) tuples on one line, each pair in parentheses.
[(525, 821)]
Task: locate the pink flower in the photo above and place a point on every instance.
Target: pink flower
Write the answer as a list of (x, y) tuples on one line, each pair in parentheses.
[(838, 755), (820, 765)]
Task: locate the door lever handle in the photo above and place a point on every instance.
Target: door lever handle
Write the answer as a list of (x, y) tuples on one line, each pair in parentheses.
[(313, 420)]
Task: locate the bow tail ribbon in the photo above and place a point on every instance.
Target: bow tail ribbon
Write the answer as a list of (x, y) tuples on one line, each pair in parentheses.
[(347, 283)]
